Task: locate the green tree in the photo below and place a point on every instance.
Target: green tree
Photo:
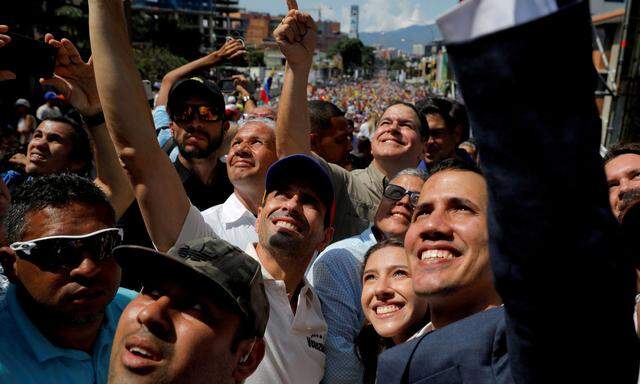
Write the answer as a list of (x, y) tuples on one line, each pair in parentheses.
[(353, 52), (155, 62)]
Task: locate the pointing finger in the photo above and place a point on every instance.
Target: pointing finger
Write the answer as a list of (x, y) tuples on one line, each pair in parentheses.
[(292, 4)]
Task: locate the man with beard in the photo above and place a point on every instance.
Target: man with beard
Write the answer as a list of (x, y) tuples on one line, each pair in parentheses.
[(200, 317), (622, 169), (397, 143), (62, 306), (337, 274), (252, 151), (196, 108)]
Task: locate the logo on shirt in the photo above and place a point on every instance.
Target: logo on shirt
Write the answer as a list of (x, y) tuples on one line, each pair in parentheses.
[(316, 342)]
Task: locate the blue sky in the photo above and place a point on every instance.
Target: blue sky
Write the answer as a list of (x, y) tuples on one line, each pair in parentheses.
[(375, 15)]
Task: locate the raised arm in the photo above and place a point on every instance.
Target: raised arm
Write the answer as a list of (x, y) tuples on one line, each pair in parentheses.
[(555, 250), (156, 185), (297, 37), (75, 79), (231, 49)]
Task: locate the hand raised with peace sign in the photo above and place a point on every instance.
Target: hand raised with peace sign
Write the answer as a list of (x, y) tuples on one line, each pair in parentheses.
[(297, 36)]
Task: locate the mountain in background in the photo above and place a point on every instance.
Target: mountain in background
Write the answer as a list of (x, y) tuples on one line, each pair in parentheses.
[(416, 34)]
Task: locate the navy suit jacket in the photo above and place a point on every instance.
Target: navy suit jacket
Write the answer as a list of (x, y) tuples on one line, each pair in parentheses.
[(558, 261)]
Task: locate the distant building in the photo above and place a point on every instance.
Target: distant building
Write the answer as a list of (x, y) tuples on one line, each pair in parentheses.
[(418, 50), (214, 18), (355, 20), (259, 29)]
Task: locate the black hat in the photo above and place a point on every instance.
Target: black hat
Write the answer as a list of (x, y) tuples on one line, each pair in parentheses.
[(232, 275), (195, 86)]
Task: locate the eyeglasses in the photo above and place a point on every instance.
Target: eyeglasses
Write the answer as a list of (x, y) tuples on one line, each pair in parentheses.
[(188, 112), (396, 192), (56, 252)]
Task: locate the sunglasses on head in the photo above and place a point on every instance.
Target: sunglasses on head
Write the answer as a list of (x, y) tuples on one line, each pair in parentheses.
[(57, 252), (396, 192), (188, 112)]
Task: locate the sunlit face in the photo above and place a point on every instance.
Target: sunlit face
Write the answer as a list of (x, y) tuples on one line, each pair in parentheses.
[(50, 149), (292, 221), (252, 151), (393, 217), (388, 299), (398, 135), (197, 138), (70, 295), (334, 144), (623, 176), (447, 241), (442, 140), (173, 334)]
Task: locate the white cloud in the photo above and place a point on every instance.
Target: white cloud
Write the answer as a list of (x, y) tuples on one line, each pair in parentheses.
[(385, 15)]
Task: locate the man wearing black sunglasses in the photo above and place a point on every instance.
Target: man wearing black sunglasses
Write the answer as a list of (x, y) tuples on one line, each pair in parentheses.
[(62, 306)]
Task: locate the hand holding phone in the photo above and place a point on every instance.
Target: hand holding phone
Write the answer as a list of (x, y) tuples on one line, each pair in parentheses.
[(26, 56)]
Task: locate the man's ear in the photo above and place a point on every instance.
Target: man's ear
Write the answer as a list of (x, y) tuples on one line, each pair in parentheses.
[(8, 261), (313, 141), (249, 355), (457, 134), (328, 236)]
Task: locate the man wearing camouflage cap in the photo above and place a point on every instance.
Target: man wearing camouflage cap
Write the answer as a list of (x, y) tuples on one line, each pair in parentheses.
[(200, 317)]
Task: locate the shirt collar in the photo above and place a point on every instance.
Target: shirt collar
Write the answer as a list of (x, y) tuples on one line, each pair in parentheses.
[(266, 276), (41, 347), (233, 209)]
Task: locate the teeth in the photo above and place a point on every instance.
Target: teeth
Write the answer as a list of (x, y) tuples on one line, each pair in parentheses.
[(285, 224), (139, 351), (434, 255), (386, 309)]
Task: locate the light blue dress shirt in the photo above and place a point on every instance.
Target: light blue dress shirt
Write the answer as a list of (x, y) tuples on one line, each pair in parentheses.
[(336, 276), (161, 121), (27, 357)]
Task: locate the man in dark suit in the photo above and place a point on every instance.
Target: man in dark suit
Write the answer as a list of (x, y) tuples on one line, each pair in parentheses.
[(558, 264)]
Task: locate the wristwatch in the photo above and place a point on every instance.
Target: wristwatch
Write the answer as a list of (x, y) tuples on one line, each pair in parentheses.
[(245, 99)]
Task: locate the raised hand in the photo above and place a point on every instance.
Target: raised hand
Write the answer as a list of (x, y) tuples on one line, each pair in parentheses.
[(73, 77), (297, 36), (4, 40), (231, 49)]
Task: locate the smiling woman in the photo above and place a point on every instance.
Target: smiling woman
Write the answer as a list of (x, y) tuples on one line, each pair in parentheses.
[(392, 310)]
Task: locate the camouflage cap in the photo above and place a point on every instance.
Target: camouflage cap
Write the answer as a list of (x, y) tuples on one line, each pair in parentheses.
[(225, 268)]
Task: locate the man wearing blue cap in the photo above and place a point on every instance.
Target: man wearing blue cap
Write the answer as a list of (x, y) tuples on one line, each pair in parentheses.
[(48, 110)]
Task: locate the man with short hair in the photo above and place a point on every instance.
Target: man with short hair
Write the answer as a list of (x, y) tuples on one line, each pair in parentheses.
[(251, 153), (200, 317), (330, 135), (62, 306), (445, 133), (337, 274), (622, 169), (397, 143)]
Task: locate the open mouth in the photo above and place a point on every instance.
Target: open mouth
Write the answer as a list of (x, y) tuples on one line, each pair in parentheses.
[(287, 225), (36, 157), (387, 310), (437, 256), (143, 353)]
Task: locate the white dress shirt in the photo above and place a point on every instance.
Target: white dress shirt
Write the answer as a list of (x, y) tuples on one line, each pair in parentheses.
[(295, 344), (231, 221)]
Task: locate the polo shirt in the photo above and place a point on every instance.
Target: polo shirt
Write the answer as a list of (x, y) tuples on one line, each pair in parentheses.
[(295, 344), (357, 194), (27, 357), (231, 221)]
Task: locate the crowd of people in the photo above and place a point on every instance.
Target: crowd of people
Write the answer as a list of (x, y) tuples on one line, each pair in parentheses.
[(357, 233)]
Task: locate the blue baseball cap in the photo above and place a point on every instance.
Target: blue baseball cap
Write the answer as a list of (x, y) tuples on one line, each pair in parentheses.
[(50, 96)]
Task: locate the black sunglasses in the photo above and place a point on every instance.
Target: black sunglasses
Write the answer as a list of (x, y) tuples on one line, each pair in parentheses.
[(396, 192), (188, 112), (57, 252)]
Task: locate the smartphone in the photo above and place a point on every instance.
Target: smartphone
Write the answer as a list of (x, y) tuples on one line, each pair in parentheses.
[(227, 86), (26, 56)]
